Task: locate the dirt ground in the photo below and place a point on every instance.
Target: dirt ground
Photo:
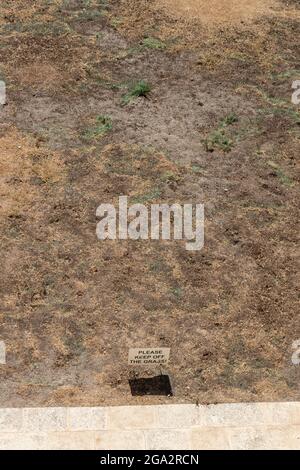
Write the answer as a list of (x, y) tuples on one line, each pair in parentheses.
[(218, 127)]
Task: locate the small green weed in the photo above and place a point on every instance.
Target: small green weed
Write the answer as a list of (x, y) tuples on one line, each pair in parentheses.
[(102, 126), (219, 139), (153, 43), (229, 120), (141, 88)]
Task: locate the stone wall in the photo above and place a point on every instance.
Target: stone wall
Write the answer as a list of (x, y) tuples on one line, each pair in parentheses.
[(173, 427)]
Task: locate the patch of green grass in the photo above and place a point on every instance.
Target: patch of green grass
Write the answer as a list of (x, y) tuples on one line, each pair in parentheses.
[(152, 195), (141, 88), (153, 43), (219, 138), (229, 120), (102, 126)]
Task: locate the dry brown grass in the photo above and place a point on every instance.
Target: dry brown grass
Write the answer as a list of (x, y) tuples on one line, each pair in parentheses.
[(216, 12), (22, 160)]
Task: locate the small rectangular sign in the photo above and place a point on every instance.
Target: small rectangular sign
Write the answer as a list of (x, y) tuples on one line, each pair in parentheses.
[(148, 356)]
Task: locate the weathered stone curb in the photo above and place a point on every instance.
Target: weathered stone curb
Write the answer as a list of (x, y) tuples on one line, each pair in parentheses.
[(166, 427)]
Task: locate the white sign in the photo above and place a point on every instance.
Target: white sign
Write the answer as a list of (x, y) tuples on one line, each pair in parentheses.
[(2, 353), (148, 356)]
